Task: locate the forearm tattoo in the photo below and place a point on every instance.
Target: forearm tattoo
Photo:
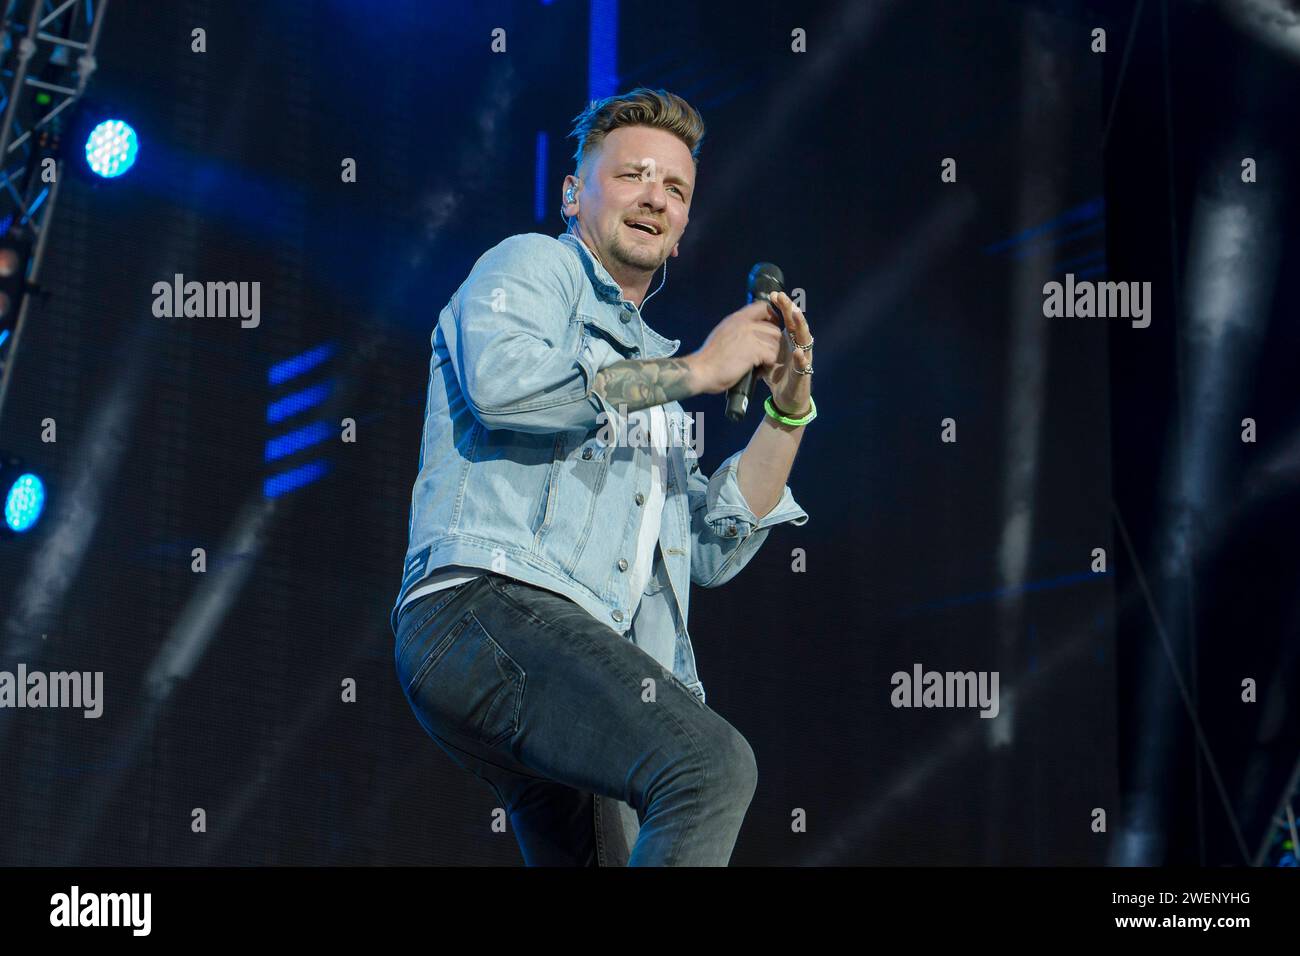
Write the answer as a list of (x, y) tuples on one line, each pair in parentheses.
[(640, 383)]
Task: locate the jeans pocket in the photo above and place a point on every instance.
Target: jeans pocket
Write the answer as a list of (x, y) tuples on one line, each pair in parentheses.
[(468, 684), (416, 615)]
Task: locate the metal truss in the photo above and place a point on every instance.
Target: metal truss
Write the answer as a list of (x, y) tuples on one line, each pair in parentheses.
[(1282, 826), (47, 59)]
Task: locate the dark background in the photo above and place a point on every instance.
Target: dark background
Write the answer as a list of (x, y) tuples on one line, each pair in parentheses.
[(223, 689)]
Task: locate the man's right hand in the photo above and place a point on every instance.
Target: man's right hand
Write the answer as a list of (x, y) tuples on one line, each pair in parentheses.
[(748, 338)]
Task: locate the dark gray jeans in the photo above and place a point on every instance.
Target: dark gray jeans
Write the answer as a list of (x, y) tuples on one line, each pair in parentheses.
[(526, 690)]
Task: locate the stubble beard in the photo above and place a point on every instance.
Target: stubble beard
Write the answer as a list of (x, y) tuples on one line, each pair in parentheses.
[(638, 256)]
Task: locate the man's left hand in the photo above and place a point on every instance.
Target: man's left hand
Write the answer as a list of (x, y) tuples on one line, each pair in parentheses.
[(790, 391)]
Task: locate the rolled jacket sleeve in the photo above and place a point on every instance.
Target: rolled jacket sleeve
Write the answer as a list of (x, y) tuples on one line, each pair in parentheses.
[(520, 357), (725, 533)]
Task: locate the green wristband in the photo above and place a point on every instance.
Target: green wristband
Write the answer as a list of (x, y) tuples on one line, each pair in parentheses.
[(770, 407)]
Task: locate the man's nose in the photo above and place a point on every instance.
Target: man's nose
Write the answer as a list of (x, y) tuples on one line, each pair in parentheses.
[(655, 195)]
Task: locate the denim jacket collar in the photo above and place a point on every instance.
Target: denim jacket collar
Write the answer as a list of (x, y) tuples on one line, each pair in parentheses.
[(656, 346)]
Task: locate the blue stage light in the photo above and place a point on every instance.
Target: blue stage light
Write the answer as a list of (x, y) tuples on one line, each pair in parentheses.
[(293, 403), (281, 372), (287, 481), (295, 441), (24, 502), (111, 148)]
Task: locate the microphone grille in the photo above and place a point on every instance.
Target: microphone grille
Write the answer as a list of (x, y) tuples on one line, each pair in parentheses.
[(765, 277)]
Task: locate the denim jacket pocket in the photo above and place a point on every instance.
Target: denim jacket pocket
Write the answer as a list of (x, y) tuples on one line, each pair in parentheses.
[(544, 513), (593, 451), (616, 328), (468, 684)]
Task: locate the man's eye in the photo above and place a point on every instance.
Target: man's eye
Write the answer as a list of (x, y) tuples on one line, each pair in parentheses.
[(679, 192)]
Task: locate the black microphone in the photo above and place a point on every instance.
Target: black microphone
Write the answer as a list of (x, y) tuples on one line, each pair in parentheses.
[(764, 278)]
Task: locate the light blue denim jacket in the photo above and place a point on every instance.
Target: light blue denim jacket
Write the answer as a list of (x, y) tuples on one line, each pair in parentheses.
[(517, 473)]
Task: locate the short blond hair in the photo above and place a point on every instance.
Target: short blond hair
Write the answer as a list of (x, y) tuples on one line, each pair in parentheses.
[(639, 107)]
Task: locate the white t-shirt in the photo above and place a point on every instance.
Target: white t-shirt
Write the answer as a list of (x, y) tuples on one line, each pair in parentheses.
[(655, 424), (448, 577)]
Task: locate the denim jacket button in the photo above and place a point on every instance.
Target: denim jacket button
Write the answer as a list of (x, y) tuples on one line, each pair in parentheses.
[(640, 498), (586, 454), (731, 531), (622, 564), (617, 615)]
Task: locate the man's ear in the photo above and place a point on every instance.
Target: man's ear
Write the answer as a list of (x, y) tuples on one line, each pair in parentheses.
[(674, 249)]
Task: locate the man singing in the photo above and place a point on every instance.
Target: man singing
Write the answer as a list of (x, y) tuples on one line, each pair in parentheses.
[(541, 626)]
